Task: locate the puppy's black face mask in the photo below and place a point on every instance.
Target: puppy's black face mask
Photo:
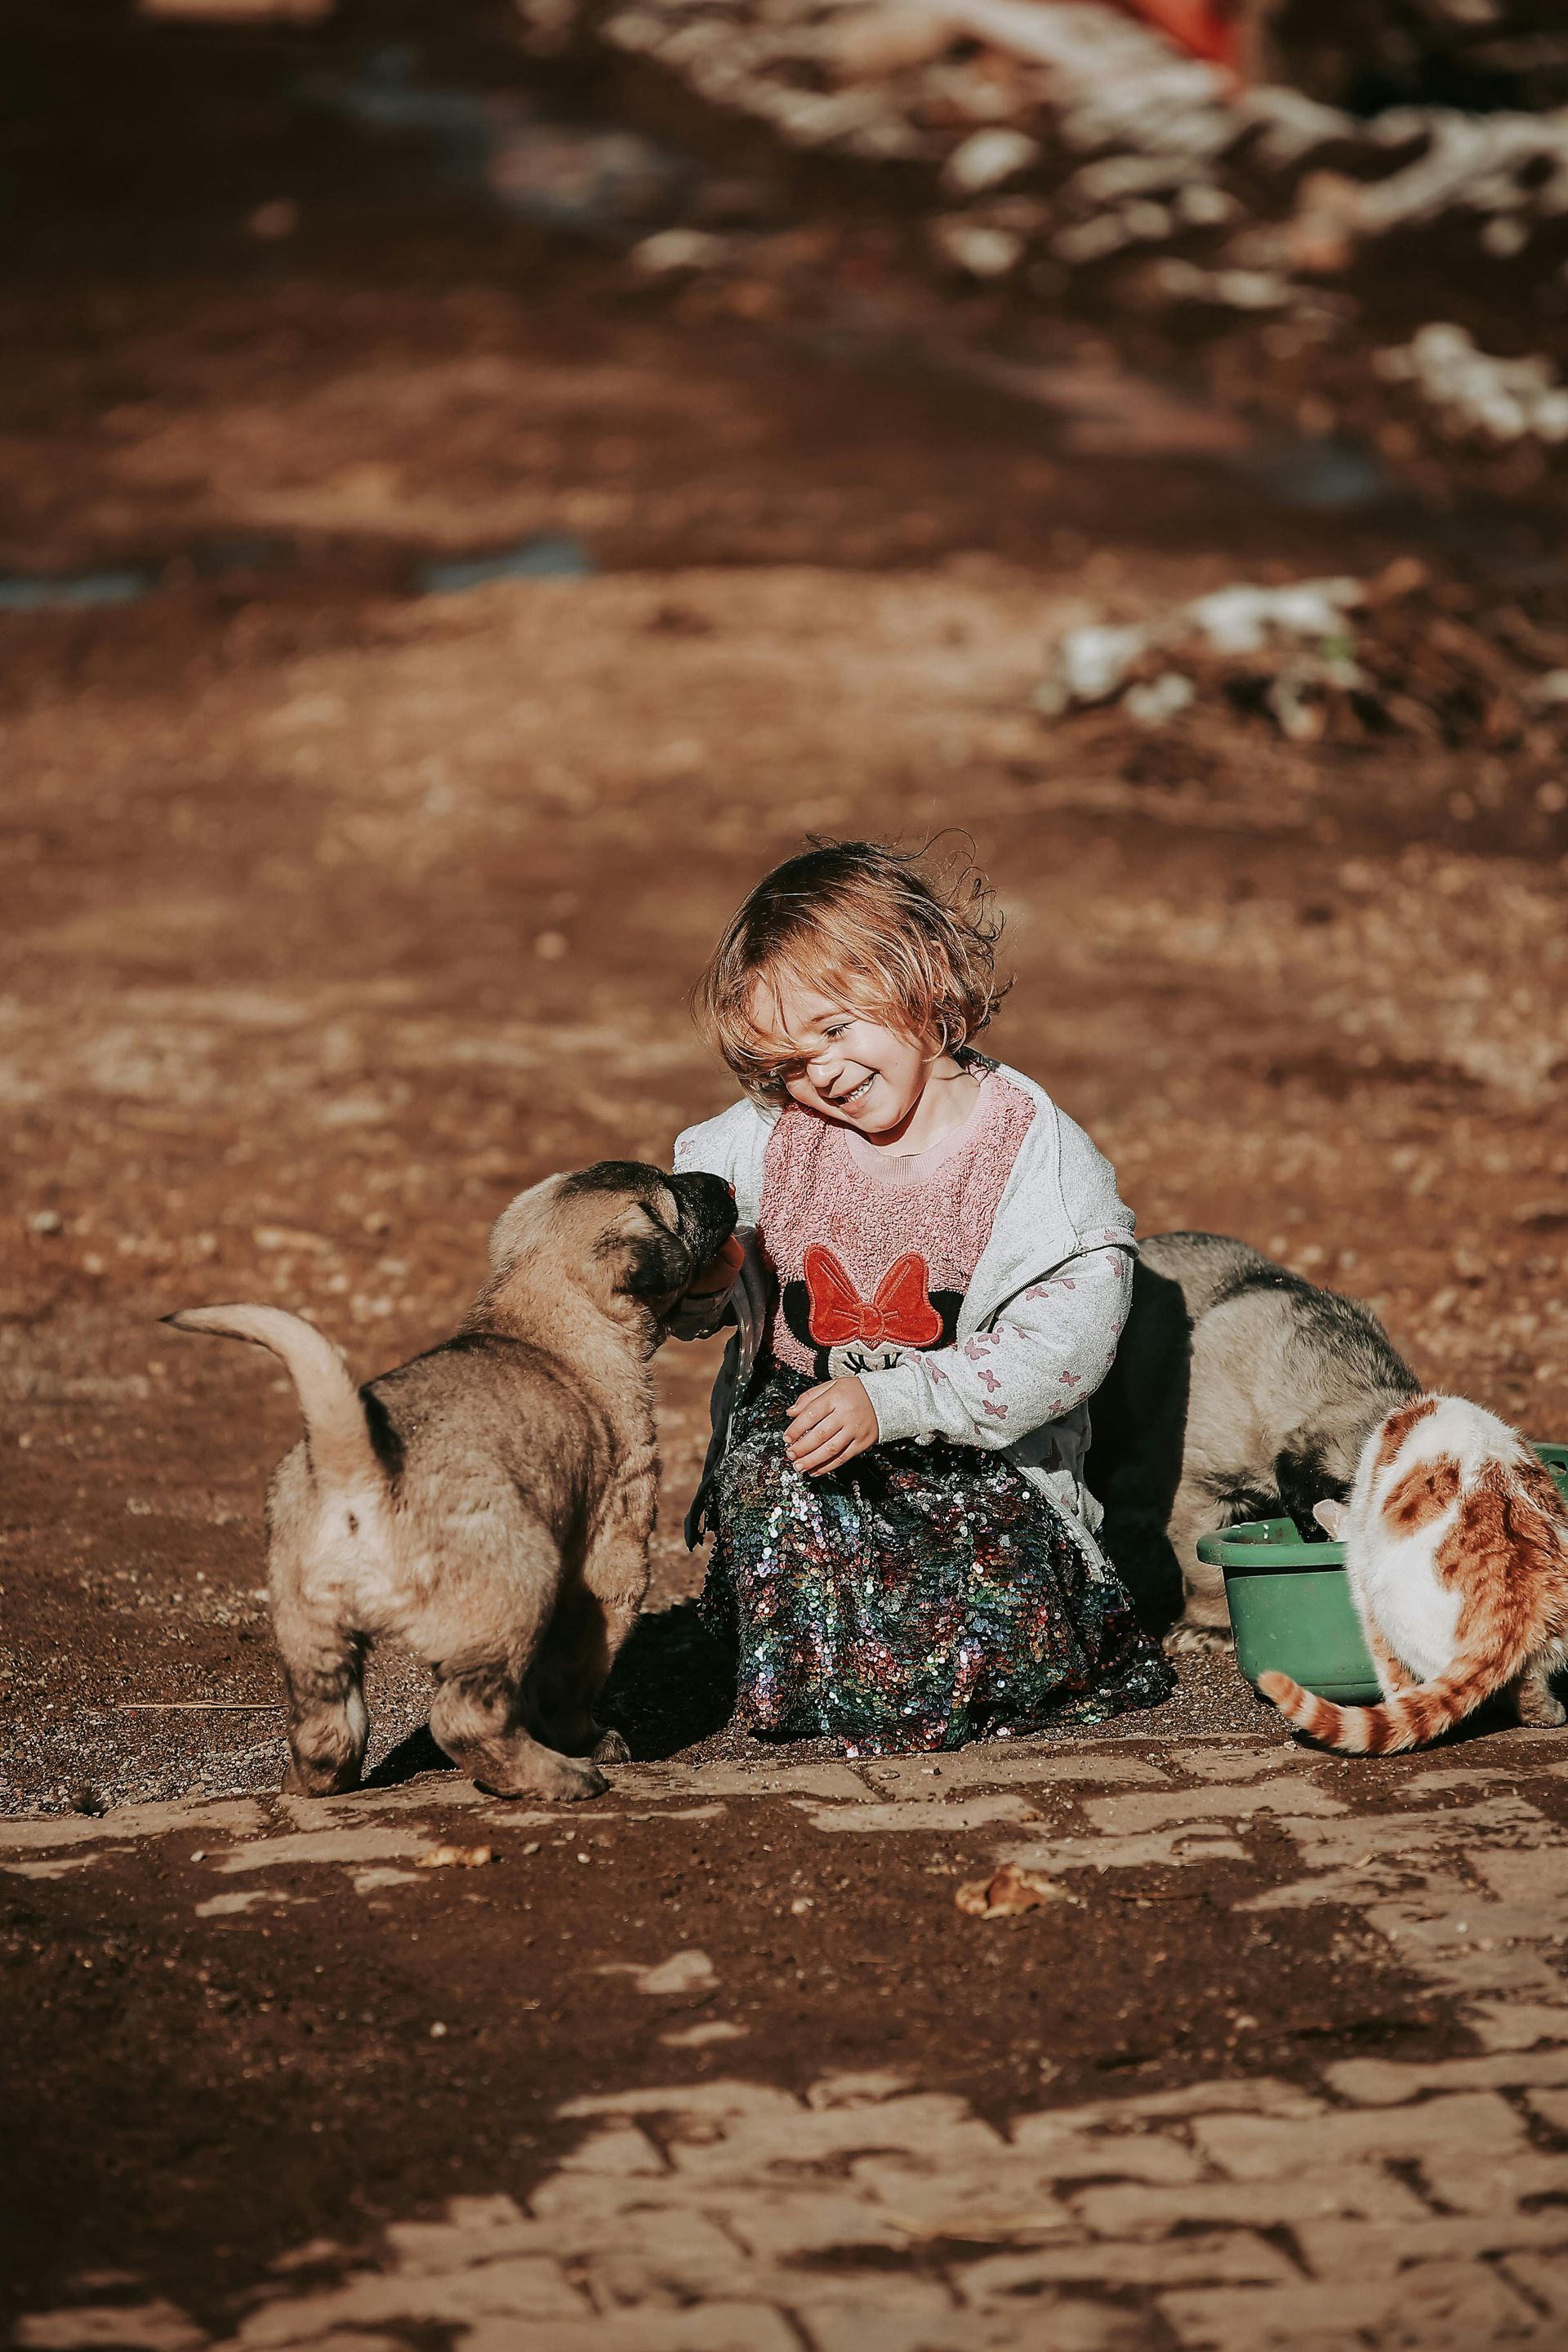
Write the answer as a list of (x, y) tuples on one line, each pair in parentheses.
[(656, 1260), (663, 1262), (707, 1211)]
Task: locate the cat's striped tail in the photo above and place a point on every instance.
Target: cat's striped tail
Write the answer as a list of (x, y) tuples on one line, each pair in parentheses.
[(1408, 1720)]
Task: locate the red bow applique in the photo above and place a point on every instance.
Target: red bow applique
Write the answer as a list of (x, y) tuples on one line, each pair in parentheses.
[(901, 1311)]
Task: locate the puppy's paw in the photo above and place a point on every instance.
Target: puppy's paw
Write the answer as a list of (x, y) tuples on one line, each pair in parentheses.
[(575, 1782), (611, 1749), (306, 1779), (559, 1780), (1197, 1641)]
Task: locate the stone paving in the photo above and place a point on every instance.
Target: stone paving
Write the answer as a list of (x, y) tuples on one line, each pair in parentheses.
[(1379, 2203)]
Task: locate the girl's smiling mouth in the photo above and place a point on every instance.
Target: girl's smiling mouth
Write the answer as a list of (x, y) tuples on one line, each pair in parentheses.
[(856, 1093)]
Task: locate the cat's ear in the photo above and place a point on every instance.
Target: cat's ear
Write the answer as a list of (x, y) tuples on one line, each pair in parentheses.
[(1332, 1518)]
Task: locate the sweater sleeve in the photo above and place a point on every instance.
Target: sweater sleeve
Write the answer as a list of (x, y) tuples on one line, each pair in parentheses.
[(1047, 1351), (1050, 1345)]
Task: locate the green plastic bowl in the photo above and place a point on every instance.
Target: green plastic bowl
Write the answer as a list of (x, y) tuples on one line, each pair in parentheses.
[(1556, 1460), (1290, 1607), (1291, 1612)]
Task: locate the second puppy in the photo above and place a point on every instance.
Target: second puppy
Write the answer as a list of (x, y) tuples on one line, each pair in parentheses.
[(490, 1503), (1239, 1391)]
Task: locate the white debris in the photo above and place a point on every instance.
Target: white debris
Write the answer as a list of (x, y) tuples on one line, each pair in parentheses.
[(1096, 664), (873, 42), (1118, 84), (1337, 658), (978, 250), (1113, 177), (1483, 164), (1090, 240), (1241, 620), (1232, 290), (1504, 236), (1203, 206), (986, 158), (1292, 127), (1092, 664), (1505, 400), (891, 141), (684, 1971), (674, 251), (1163, 698), (1223, 198), (808, 118)]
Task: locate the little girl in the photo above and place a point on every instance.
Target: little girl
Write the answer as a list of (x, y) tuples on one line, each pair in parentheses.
[(930, 1277)]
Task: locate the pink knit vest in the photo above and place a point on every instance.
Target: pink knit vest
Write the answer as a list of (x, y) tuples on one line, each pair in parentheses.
[(872, 1256)]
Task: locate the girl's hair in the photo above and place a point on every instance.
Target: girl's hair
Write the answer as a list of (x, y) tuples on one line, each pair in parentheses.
[(859, 921)]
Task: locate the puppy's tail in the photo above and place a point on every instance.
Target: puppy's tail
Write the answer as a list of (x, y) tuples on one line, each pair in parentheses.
[(1408, 1720), (336, 1431)]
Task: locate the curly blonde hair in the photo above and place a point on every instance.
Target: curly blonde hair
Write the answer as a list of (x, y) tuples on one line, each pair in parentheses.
[(860, 921)]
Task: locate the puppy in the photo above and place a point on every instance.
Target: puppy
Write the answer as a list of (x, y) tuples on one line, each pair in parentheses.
[(1239, 1391), (490, 1503)]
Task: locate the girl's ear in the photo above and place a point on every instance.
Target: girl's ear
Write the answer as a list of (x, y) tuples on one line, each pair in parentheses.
[(1332, 1518)]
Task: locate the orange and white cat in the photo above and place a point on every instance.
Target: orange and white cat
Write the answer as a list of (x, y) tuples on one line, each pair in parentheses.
[(1456, 1551)]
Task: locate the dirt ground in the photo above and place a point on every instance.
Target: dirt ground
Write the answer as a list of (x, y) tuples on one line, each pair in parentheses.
[(334, 912)]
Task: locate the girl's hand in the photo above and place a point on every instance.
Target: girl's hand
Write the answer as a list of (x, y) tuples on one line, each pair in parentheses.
[(720, 1271), (830, 1425)]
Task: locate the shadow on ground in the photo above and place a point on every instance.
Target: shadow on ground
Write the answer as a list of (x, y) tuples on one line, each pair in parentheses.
[(673, 1687)]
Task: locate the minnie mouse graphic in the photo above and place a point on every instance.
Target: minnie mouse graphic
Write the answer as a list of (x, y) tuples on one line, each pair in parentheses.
[(850, 1334)]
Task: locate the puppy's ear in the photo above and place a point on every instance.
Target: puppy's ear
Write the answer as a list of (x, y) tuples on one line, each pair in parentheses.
[(654, 1264), (1332, 1518)]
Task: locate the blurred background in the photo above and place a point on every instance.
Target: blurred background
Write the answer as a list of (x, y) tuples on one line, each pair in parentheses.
[(478, 482)]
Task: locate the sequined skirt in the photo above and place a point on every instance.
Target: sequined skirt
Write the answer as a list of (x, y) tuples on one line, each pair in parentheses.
[(922, 1596)]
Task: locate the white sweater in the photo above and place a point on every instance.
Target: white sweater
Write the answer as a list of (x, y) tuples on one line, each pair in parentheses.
[(1038, 1330)]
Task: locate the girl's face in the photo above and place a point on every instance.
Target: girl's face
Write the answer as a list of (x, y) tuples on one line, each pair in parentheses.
[(841, 1063)]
